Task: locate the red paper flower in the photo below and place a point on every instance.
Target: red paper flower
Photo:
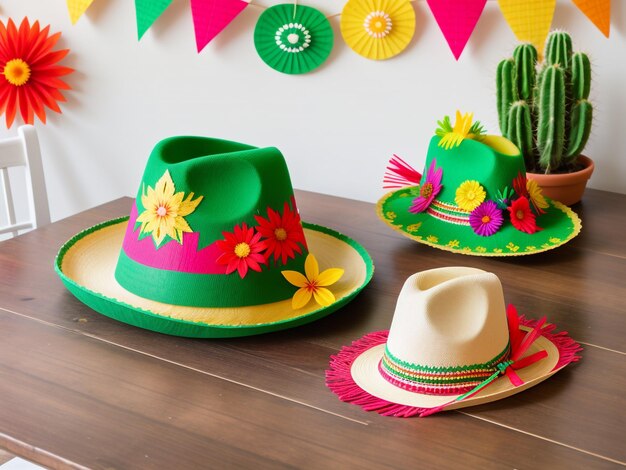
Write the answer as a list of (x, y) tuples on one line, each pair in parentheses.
[(530, 190), (282, 235), (519, 184), (241, 250), (30, 72), (522, 218)]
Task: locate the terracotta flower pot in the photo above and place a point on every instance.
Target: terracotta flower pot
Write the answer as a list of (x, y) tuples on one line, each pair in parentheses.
[(567, 188)]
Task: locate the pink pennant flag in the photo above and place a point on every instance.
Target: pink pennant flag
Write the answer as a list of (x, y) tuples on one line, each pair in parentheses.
[(210, 17), (598, 11), (457, 20)]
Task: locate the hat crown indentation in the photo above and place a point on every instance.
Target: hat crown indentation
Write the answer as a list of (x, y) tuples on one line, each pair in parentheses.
[(449, 317)]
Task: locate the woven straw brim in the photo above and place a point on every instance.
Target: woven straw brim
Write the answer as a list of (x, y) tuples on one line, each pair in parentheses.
[(559, 225), (87, 262), (367, 376)]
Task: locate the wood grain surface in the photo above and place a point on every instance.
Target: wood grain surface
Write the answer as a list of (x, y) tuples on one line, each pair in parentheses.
[(79, 389), (5, 456)]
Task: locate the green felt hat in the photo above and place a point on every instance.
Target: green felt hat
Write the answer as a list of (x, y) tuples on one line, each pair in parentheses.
[(214, 246), (473, 198)]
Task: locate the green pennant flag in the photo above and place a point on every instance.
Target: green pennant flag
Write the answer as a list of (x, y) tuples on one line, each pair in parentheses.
[(147, 13)]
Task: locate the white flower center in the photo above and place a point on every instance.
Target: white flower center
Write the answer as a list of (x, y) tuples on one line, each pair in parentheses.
[(161, 211), (292, 37)]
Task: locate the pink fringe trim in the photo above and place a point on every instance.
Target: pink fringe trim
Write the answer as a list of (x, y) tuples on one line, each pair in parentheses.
[(339, 379), (400, 174)]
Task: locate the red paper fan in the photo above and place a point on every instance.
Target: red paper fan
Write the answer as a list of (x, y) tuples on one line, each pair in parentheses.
[(31, 74)]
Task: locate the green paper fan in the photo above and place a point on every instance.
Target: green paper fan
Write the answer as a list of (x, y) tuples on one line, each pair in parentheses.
[(293, 39)]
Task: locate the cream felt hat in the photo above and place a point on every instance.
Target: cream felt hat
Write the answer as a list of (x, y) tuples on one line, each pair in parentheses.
[(452, 344)]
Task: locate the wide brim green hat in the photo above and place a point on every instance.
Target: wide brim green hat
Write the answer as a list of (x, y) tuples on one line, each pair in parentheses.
[(473, 198), (213, 247)]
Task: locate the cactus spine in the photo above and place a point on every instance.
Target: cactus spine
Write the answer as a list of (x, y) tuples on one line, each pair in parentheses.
[(521, 130), (580, 127), (507, 91), (550, 105), (581, 76), (551, 113), (525, 58), (559, 49)]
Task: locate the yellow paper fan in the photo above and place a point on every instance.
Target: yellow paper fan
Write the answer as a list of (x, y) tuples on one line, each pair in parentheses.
[(378, 29)]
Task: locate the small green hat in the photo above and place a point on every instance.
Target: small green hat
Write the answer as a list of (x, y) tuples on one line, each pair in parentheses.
[(214, 246), (473, 197)]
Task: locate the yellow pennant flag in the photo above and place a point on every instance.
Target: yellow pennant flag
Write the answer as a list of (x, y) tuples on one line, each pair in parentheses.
[(598, 11), (530, 20), (77, 8)]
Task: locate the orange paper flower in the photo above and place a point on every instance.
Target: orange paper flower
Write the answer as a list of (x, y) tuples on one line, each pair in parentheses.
[(31, 74)]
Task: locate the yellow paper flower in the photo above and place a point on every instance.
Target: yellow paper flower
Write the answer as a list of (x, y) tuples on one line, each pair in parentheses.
[(463, 129), (535, 194), (432, 239), (164, 210), (459, 132), (378, 29), (453, 244), (469, 195), (313, 284)]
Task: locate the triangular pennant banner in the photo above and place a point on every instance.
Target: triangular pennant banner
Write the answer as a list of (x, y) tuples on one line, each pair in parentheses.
[(530, 20), (76, 8), (598, 11), (210, 17), (457, 20), (147, 12)]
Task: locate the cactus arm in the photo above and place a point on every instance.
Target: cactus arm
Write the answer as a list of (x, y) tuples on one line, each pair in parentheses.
[(582, 115), (521, 131), (506, 92), (551, 120), (559, 49), (525, 57), (581, 76)]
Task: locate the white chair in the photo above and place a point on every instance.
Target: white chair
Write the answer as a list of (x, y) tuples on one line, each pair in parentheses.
[(23, 150)]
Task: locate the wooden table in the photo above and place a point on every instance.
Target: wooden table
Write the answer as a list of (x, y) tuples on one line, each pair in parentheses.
[(80, 389)]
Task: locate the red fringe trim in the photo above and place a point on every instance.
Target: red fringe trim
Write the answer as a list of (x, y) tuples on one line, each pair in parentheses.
[(400, 174), (339, 379)]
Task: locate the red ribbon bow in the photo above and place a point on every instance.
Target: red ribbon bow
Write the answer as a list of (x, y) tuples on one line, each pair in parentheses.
[(520, 343)]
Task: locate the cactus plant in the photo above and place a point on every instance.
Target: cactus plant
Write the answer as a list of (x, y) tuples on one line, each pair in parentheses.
[(520, 130), (545, 111)]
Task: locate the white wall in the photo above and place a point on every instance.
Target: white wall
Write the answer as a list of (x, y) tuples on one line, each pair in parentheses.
[(336, 126)]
